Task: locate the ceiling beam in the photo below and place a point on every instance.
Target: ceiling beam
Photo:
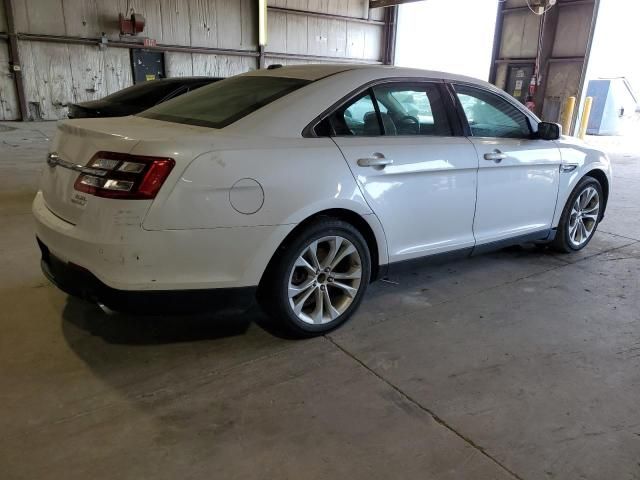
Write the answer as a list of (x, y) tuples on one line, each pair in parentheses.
[(389, 3)]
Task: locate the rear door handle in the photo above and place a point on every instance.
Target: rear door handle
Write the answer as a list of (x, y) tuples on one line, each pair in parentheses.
[(375, 160), (495, 156)]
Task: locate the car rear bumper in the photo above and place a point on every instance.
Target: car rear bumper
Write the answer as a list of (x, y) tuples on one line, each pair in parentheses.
[(128, 257), (80, 282)]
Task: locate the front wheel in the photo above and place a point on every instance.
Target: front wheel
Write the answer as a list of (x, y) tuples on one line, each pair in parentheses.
[(317, 280), (580, 216)]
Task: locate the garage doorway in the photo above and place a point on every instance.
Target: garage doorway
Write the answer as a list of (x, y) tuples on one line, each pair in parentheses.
[(455, 37)]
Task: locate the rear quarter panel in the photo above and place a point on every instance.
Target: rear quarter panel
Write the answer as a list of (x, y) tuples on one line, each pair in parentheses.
[(298, 177)]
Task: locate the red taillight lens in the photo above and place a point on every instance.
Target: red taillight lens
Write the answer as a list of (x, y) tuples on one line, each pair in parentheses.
[(119, 175)]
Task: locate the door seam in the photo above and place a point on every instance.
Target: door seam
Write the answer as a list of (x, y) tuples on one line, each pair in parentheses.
[(475, 205), (355, 179)]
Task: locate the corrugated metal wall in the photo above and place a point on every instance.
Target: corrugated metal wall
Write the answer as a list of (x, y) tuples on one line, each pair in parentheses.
[(293, 33), (567, 32), (66, 71)]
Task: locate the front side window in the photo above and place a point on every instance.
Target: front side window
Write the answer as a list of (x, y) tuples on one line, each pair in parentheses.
[(489, 115), (224, 102)]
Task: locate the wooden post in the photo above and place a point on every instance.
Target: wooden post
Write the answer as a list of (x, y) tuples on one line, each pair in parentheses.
[(14, 60)]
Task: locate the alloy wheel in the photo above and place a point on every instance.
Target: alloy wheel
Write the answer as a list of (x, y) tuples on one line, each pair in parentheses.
[(324, 280), (584, 217)]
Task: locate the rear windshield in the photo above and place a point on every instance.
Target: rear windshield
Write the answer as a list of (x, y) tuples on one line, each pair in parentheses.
[(143, 95), (224, 102)]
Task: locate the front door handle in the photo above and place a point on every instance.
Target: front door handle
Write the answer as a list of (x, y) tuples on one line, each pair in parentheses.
[(376, 160), (495, 156)]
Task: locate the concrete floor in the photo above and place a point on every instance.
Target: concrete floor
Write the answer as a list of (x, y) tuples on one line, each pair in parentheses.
[(518, 364)]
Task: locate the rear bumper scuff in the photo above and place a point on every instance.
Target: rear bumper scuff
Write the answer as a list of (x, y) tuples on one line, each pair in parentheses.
[(80, 282)]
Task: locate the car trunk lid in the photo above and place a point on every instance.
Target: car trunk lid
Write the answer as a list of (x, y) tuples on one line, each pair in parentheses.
[(77, 141)]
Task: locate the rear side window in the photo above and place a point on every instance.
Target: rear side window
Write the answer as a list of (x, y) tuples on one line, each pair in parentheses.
[(489, 115), (412, 109), (222, 103), (390, 109), (357, 117)]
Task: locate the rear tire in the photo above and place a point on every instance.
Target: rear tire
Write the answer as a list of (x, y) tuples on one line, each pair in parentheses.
[(580, 217), (317, 280)]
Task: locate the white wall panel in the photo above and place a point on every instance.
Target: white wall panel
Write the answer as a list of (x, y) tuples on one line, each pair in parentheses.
[(9, 109), (178, 64)]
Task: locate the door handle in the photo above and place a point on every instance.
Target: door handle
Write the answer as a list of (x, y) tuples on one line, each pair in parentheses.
[(376, 160), (495, 156)]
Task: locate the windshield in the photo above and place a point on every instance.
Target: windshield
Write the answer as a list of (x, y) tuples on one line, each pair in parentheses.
[(224, 102)]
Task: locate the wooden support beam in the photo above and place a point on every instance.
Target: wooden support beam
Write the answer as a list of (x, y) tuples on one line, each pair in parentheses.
[(390, 34), (120, 44), (14, 60), (329, 16), (497, 40), (389, 3), (178, 48), (296, 56)]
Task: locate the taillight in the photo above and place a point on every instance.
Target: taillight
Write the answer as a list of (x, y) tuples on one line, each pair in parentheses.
[(124, 176)]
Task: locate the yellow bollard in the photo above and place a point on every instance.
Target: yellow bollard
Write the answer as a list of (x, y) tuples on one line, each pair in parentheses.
[(567, 115), (586, 112)]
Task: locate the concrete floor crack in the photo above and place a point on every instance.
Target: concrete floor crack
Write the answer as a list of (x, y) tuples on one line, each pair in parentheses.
[(510, 282), (426, 410), (621, 236)]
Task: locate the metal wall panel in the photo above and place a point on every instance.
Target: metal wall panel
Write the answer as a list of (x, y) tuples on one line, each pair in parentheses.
[(519, 35), (56, 74), (571, 40), (563, 81), (293, 33), (37, 16), (567, 30)]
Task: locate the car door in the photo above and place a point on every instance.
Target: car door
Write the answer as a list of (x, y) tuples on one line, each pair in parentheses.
[(417, 175), (518, 175)]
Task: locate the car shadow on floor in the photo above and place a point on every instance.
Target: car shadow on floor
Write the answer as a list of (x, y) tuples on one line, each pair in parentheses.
[(120, 328), (128, 329)]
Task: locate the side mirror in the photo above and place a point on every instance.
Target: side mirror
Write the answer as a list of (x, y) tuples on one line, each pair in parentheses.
[(549, 131)]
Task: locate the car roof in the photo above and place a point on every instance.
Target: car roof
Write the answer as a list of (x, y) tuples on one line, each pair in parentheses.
[(187, 79), (318, 71), (330, 84)]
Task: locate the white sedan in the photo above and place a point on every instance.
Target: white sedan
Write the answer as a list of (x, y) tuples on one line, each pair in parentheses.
[(298, 186)]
